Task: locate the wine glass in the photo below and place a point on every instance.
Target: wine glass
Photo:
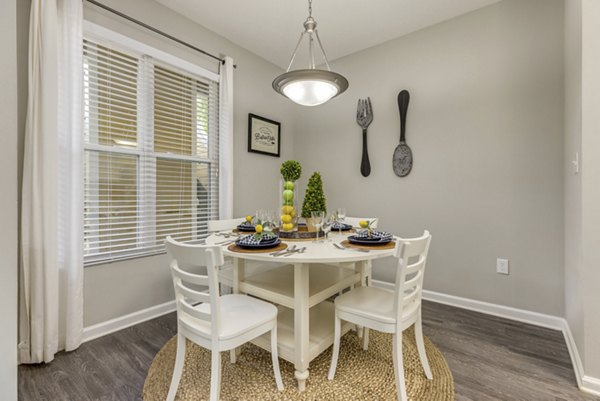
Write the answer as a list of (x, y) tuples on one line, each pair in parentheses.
[(327, 224), (261, 216), (340, 217), (318, 218), (272, 220)]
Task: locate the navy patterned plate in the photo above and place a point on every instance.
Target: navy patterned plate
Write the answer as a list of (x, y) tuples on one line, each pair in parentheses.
[(262, 245), (353, 239), (246, 228)]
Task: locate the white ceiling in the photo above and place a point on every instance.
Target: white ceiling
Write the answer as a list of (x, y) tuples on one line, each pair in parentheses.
[(271, 28)]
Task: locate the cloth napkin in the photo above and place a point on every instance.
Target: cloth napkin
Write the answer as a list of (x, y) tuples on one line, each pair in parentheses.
[(251, 240), (336, 225), (376, 235)]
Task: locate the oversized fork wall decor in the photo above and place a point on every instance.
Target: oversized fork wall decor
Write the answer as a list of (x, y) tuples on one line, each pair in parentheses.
[(364, 117)]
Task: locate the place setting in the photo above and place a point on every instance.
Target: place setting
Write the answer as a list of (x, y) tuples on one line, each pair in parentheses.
[(263, 239), (368, 238)]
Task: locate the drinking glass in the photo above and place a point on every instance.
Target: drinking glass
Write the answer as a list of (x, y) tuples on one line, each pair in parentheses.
[(340, 217), (318, 218), (327, 223), (261, 216), (272, 220)]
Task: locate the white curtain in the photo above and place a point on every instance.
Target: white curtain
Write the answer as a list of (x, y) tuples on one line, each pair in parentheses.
[(226, 140), (51, 275)]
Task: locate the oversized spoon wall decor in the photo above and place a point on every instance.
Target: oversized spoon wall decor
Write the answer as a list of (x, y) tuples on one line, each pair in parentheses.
[(403, 159)]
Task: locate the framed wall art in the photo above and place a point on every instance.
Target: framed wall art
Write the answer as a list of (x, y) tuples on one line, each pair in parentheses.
[(264, 135)]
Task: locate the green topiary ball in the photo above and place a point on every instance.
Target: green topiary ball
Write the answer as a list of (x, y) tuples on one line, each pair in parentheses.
[(291, 170)]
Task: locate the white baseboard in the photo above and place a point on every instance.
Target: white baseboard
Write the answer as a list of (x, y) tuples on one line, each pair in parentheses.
[(585, 383), (110, 326), (574, 353), (590, 385), (507, 312)]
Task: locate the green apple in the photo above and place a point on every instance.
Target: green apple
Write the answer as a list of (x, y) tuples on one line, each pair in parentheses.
[(288, 185), (288, 195)]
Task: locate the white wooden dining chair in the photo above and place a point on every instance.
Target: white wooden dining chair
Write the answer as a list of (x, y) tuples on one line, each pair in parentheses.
[(218, 323), (389, 311), (224, 225)]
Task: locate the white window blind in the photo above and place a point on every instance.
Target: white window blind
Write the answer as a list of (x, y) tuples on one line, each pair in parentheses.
[(151, 153)]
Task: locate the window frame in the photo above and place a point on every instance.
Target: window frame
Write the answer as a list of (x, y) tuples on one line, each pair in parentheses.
[(145, 140)]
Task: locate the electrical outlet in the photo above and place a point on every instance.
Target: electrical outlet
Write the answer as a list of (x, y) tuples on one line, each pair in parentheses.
[(502, 266)]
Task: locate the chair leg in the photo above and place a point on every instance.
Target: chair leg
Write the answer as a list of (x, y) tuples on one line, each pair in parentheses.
[(233, 355), (179, 361), (336, 347), (215, 375), (399, 366), (365, 338), (421, 348), (275, 358)]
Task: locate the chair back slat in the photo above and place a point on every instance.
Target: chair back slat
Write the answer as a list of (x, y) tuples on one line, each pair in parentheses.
[(195, 296), (411, 296), (409, 277), (194, 312), (184, 276), (418, 246), (224, 225), (414, 281)]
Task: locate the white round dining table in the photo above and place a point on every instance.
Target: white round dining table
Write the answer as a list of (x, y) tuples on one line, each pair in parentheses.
[(302, 288)]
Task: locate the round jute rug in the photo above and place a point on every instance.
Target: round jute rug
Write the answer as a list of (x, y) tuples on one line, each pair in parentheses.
[(361, 375)]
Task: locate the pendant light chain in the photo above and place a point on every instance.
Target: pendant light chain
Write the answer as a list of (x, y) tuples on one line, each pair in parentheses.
[(309, 8)]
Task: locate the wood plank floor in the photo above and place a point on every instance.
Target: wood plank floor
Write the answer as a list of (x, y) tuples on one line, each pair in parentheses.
[(491, 359)]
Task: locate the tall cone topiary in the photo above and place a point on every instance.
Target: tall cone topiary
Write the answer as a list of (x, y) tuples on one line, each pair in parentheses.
[(314, 198)]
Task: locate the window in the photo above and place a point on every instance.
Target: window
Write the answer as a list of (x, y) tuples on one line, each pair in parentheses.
[(151, 153)]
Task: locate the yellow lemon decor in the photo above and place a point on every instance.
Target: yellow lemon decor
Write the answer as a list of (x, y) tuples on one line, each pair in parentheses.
[(286, 218), (363, 224), (258, 228), (249, 218)]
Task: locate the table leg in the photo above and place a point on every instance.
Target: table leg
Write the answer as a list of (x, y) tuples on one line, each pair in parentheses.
[(361, 268), (239, 274), (239, 265), (301, 324)]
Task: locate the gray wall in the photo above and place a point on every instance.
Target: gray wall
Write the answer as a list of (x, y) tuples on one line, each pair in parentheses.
[(8, 200), (113, 290), (485, 125)]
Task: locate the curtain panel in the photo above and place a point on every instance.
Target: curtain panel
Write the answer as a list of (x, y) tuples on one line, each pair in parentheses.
[(51, 268), (226, 140)]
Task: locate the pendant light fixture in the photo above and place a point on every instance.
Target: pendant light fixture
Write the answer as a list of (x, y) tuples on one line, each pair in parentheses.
[(310, 87)]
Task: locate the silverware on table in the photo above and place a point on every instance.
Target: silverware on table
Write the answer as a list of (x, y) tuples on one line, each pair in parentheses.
[(284, 251), (345, 248), (300, 250), (364, 118), (226, 242), (226, 234)]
